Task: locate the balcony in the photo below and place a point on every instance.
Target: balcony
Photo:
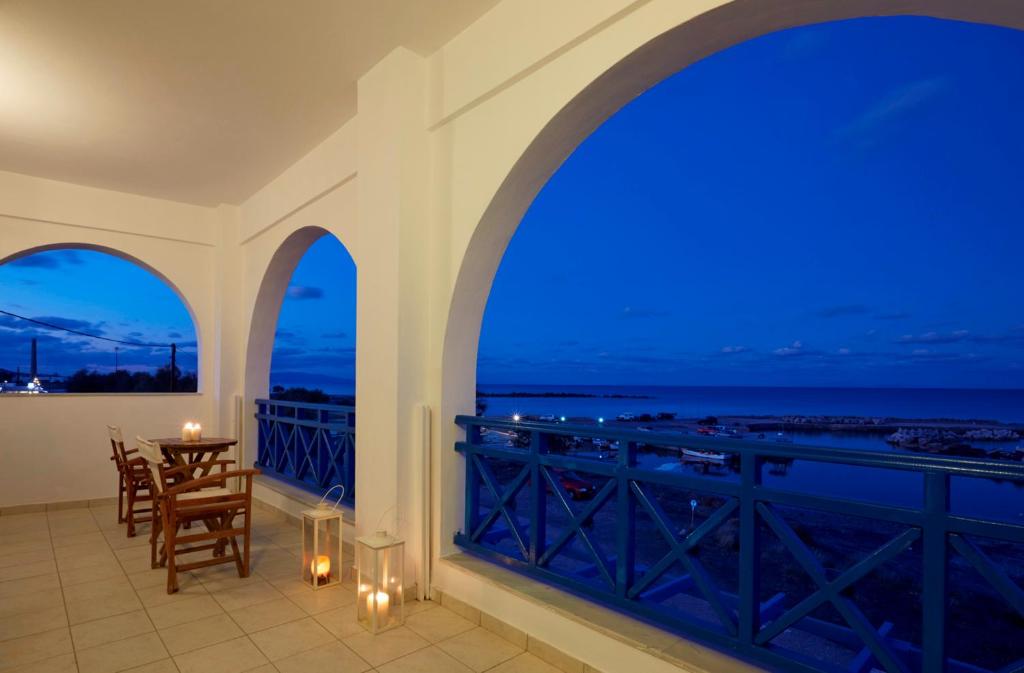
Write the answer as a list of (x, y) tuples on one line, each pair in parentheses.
[(716, 552)]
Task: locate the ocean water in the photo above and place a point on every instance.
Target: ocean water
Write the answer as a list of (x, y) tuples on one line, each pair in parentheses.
[(697, 401), (999, 501)]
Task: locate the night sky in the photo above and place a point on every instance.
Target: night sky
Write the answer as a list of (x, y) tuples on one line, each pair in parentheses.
[(836, 205), (94, 293)]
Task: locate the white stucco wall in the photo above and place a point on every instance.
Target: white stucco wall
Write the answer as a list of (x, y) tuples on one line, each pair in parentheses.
[(424, 188)]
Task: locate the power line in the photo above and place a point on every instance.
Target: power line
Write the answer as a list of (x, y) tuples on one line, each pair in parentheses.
[(85, 334)]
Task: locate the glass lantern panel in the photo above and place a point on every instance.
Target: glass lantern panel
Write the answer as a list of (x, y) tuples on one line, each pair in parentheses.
[(380, 598)]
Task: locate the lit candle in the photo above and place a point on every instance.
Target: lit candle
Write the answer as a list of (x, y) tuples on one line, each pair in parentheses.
[(197, 432), (186, 432), (320, 568), (382, 601)]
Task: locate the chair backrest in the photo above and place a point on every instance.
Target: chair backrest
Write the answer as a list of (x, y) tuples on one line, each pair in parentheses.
[(117, 445), (150, 451)]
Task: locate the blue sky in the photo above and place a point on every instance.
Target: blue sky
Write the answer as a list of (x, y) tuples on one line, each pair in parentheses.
[(94, 293), (833, 205), (315, 341)]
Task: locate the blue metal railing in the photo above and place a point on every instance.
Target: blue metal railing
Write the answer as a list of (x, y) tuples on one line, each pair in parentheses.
[(718, 558), (309, 445)]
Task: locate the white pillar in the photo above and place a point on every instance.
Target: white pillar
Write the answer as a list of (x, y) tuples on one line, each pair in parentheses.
[(392, 308)]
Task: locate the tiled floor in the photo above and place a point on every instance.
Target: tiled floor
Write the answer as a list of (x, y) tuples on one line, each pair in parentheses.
[(77, 595)]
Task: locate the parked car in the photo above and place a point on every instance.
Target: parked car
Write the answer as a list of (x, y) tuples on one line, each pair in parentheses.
[(576, 486), (626, 417)]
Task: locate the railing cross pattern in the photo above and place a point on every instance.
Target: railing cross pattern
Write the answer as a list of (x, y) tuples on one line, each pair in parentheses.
[(995, 576), (575, 527), (501, 502), (680, 551), (849, 611)]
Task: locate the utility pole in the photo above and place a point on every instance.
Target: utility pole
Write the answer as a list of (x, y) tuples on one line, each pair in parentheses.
[(115, 360), (174, 364), (35, 360)]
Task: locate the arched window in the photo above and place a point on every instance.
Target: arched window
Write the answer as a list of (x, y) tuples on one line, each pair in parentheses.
[(811, 238), (85, 321), (314, 345)]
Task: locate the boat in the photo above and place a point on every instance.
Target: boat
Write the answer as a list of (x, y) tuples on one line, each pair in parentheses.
[(704, 454), (783, 439)]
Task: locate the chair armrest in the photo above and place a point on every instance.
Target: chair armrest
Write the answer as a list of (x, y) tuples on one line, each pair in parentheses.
[(131, 451), (192, 467), (209, 480)]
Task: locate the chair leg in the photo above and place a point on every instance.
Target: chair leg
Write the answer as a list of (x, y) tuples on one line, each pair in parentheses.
[(170, 536), (154, 536), (130, 514), (120, 496)]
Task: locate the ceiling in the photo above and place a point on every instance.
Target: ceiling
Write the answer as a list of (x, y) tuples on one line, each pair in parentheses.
[(201, 101)]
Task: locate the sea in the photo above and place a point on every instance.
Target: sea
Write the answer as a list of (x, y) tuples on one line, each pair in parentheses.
[(1000, 501), (1003, 405)]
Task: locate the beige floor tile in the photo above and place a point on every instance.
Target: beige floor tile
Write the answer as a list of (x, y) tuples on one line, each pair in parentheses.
[(98, 589), (17, 545), (92, 573), (330, 658), (480, 649), (121, 655), (28, 623), (387, 646), (82, 555), (109, 629), (291, 638), (172, 614), (25, 570), (265, 668), (37, 647), (29, 585), (428, 660), (162, 666), (288, 585), (414, 606), (148, 578), (251, 592), (85, 611), (188, 587), (233, 656), (341, 622), (41, 599), (265, 615), (198, 633), (74, 540), (438, 624), (26, 557), (64, 663), (322, 600), (525, 663)]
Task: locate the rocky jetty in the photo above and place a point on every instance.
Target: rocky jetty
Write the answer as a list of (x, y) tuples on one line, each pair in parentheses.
[(945, 440)]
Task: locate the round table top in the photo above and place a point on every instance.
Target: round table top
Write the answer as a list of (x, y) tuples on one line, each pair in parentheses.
[(204, 444)]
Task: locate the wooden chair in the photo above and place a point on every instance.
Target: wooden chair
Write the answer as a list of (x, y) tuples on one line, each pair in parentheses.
[(182, 499), (134, 483)]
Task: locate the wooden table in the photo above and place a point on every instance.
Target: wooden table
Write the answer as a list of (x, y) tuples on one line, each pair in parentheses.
[(180, 452)]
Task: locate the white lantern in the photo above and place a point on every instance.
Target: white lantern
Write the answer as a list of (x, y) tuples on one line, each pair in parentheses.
[(380, 563), (321, 547)]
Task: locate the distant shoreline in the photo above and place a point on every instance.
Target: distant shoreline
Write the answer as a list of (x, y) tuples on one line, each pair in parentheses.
[(610, 396)]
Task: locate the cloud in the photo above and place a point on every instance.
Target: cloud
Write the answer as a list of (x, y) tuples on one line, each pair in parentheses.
[(934, 337), (305, 292), (175, 335), (843, 351), (732, 350), (631, 312), (50, 259), (896, 103), (335, 335), (70, 323), (893, 315), (794, 349), (842, 310), (1015, 335)]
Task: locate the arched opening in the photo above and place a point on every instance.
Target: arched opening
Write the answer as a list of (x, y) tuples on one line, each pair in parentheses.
[(88, 319), (751, 631), (301, 363)]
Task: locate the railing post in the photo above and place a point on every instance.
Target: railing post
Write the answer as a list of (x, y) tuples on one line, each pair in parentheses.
[(625, 516), (750, 550), (538, 497), (472, 481), (935, 560)]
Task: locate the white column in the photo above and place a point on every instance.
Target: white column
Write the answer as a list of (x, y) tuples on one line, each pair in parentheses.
[(392, 309)]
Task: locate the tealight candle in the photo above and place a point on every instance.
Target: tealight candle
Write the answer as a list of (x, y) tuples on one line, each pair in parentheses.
[(382, 601), (197, 432), (320, 569)]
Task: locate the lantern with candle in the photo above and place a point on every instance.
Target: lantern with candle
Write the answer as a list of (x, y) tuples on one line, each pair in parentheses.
[(321, 543), (380, 563)]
